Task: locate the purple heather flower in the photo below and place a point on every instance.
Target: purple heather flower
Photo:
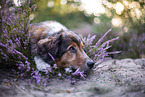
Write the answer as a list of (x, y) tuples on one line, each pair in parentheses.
[(3, 45), (51, 57), (73, 81), (55, 66), (88, 41), (77, 73), (49, 70), (101, 39), (28, 69), (46, 80), (38, 78), (59, 74), (19, 53), (19, 68), (26, 62), (36, 75)]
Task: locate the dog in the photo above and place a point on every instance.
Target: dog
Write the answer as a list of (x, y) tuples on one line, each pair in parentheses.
[(54, 43)]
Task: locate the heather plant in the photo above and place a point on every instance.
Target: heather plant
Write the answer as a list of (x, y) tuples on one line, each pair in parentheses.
[(132, 45), (15, 46), (15, 36), (98, 51)]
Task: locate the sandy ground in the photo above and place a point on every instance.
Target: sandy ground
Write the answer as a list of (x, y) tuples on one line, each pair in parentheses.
[(114, 78)]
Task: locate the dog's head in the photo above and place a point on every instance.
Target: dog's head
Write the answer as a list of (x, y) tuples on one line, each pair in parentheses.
[(67, 49)]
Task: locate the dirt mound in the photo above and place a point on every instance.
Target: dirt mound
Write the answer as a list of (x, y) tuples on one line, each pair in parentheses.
[(114, 78)]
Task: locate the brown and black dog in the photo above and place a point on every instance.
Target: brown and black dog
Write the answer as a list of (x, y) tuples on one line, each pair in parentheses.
[(51, 38)]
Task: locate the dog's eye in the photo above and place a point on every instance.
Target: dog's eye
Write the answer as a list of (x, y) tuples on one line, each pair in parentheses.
[(72, 49)]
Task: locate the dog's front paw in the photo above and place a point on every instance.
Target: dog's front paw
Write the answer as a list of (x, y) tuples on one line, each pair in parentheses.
[(41, 65)]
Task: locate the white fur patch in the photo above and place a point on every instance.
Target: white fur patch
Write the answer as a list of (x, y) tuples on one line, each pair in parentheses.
[(41, 65)]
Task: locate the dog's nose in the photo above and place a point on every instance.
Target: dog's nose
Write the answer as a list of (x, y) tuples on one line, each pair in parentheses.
[(90, 64)]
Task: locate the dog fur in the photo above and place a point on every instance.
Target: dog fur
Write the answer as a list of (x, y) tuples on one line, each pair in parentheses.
[(54, 43)]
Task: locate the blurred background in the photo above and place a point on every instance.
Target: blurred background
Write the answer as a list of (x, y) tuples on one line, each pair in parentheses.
[(125, 17)]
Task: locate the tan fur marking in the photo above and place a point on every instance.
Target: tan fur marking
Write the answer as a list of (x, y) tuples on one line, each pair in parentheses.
[(82, 46), (42, 41)]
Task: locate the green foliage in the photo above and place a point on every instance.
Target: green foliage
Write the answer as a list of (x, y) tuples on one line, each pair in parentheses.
[(132, 15), (68, 14), (105, 23)]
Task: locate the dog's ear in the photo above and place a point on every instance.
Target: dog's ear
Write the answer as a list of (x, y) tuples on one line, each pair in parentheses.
[(50, 41), (49, 45)]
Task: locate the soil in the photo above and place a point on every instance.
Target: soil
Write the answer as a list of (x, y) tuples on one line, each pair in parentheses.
[(113, 78)]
